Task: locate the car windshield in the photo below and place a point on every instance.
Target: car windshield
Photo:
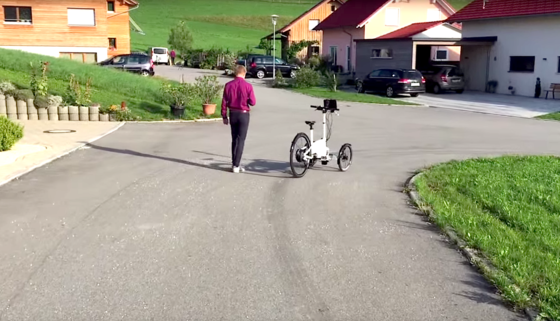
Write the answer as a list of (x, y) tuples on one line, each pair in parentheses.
[(455, 72), (279, 61), (159, 51), (412, 74)]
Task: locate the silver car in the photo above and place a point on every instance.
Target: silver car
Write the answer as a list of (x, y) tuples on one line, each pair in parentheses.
[(440, 78)]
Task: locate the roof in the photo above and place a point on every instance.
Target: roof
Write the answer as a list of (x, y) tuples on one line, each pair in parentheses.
[(356, 13), (488, 9), (410, 30), (296, 20), (130, 2)]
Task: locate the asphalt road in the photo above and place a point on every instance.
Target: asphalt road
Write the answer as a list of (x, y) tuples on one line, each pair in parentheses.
[(148, 224)]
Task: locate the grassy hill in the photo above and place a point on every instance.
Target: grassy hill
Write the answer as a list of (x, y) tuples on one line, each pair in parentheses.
[(142, 94), (233, 24)]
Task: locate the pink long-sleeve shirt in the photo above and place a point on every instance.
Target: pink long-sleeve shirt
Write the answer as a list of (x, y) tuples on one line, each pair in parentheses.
[(239, 95)]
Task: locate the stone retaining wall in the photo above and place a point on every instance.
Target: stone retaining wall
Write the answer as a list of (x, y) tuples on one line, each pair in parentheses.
[(26, 110)]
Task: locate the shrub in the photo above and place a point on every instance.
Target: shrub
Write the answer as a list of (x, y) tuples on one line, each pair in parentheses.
[(41, 102), (230, 61), (23, 94), (39, 80), (280, 81), (180, 38), (54, 100), (314, 61), (208, 88), (331, 80), (7, 88), (176, 95), (10, 133), (306, 77), (75, 94), (125, 115)]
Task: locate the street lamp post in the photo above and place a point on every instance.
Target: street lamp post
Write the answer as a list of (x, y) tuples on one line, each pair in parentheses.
[(274, 18)]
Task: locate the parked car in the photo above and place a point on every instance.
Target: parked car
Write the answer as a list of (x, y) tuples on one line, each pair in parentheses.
[(160, 55), (441, 78), (244, 60), (392, 82), (137, 63), (262, 66)]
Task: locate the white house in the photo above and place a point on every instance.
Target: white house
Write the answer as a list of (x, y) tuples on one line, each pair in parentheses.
[(513, 42)]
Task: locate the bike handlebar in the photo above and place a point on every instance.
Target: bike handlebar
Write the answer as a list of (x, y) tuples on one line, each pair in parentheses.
[(325, 108)]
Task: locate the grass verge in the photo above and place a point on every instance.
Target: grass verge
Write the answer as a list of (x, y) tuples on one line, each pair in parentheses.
[(508, 208), (142, 94), (324, 93), (551, 116)]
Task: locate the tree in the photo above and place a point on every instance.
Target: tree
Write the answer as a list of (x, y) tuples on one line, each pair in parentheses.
[(180, 38), (266, 45), (296, 47)]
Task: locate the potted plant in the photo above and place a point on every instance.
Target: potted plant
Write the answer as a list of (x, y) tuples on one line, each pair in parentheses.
[(176, 96), (104, 113), (113, 112), (208, 89)]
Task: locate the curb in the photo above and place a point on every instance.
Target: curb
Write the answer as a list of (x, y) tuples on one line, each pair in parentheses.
[(471, 254), (61, 155), (176, 121)]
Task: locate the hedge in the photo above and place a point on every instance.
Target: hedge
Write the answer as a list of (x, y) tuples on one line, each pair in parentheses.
[(10, 133)]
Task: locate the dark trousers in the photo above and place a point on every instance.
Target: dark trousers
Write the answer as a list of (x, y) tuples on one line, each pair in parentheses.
[(173, 60), (239, 123)]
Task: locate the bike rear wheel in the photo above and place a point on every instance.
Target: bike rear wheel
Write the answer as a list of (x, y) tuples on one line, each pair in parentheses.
[(345, 157), (300, 145)]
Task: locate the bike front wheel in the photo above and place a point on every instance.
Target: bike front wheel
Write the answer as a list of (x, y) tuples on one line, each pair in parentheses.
[(300, 146), (345, 157)]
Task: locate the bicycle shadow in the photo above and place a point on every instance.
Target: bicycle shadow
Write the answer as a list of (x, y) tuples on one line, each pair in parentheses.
[(258, 167)]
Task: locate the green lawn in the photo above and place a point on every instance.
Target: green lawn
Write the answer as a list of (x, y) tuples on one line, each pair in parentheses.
[(324, 93), (509, 209), (142, 94), (227, 24), (551, 116)]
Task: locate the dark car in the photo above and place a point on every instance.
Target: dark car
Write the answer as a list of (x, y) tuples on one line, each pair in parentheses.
[(137, 63), (393, 82), (262, 66), (440, 78), (247, 59)]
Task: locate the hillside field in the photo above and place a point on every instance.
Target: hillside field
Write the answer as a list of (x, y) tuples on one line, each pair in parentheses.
[(227, 24)]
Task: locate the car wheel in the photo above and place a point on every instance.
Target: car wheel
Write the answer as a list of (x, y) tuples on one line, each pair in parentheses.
[(436, 89), (360, 88), (390, 92), (414, 95), (145, 73), (292, 74), (460, 91), (261, 74)]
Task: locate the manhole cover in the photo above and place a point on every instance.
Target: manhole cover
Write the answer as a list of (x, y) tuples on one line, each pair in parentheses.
[(59, 131)]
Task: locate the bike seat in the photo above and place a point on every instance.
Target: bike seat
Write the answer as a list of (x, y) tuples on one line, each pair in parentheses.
[(310, 123)]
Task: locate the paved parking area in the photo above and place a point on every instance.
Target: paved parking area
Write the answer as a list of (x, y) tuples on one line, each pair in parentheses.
[(495, 104)]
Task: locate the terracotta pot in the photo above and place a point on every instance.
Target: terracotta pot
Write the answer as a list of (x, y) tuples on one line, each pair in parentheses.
[(209, 109)]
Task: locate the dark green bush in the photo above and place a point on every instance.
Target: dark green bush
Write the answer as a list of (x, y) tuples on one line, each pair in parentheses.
[(280, 81), (23, 94), (10, 133), (41, 102), (306, 77)]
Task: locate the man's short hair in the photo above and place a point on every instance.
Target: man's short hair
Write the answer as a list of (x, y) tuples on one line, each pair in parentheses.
[(240, 70)]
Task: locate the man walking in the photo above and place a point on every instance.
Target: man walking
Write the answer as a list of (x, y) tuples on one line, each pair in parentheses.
[(238, 97), (172, 55)]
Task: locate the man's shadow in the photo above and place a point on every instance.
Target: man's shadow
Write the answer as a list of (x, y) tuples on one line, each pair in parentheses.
[(259, 167)]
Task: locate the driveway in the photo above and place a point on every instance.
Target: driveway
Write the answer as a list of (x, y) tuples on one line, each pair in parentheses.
[(148, 224), (485, 103)]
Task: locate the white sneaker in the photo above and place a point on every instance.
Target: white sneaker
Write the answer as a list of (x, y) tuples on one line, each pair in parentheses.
[(238, 170)]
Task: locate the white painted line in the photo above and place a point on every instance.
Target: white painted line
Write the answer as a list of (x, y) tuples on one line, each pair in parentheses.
[(61, 155)]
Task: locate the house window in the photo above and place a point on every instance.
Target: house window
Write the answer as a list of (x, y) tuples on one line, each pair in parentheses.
[(334, 54), (87, 57), (314, 50), (433, 15), (522, 64), (313, 23), (383, 53), (17, 15), (81, 17), (110, 6), (392, 17), (112, 43), (333, 7), (442, 54)]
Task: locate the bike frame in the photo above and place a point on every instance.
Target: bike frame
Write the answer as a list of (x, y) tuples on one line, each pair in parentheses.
[(318, 148)]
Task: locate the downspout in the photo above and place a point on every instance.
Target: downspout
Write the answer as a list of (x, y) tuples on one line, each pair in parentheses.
[(351, 43), (118, 14)]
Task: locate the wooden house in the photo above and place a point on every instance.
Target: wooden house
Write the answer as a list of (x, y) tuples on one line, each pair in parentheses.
[(82, 30), (301, 28)]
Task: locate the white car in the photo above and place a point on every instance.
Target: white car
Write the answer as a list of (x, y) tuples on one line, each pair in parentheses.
[(160, 55)]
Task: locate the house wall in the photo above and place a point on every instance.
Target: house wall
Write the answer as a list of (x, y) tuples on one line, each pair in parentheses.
[(50, 34), (402, 55), (118, 25), (300, 30), (342, 38), (533, 36)]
